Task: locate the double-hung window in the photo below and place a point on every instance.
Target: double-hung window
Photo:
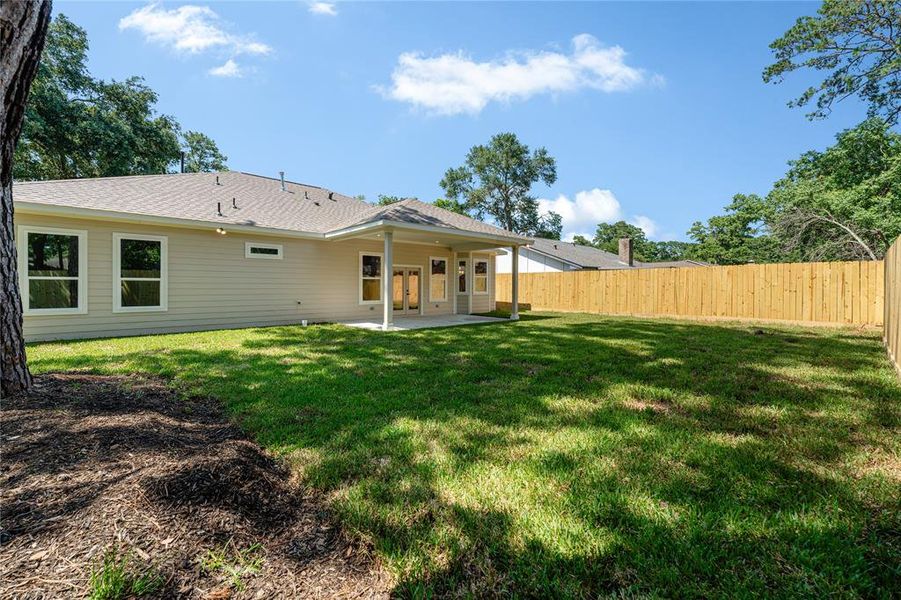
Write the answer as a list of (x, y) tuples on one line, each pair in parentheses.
[(437, 279), (480, 277), (370, 278), (53, 265), (140, 273)]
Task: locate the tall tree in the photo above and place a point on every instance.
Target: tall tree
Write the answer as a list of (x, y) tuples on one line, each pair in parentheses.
[(451, 205), (858, 43), (740, 236), (79, 126), (496, 180), (23, 28), (202, 155), (843, 203), (607, 237)]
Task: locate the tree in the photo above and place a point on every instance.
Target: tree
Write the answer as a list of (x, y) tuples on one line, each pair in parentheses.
[(607, 238), (548, 226), (80, 126), (451, 205), (202, 155), (581, 240), (740, 236), (858, 42), (23, 29), (843, 203), (497, 179), (674, 250), (386, 200)]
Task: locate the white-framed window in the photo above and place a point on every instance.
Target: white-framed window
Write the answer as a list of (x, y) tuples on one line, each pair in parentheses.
[(461, 276), (437, 279), (53, 270), (371, 269), (257, 250), (140, 272), (480, 276)]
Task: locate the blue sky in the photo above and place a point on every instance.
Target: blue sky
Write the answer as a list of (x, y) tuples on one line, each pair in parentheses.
[(655, 112)]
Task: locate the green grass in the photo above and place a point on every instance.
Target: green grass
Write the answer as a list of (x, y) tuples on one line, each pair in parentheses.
[(116, 577), (572, 455)]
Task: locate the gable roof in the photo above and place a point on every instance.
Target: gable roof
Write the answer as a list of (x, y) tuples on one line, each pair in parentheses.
[(261, 203), (589, 257)]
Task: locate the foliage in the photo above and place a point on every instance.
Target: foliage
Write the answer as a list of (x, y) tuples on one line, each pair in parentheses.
[(571, 456), (496, 180), (202, 155), (607, 237), (234, 563), (80, 126), (843, 203), (737, 237), (451, 205), (674, 250), (581, 240), (858, 42), (387, 200), (118, 577)]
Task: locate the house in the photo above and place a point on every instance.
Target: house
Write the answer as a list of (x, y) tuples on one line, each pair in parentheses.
[(182, 252), (549, 256)]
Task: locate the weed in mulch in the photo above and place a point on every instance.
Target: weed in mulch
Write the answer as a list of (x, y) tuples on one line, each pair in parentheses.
[(92, 463)]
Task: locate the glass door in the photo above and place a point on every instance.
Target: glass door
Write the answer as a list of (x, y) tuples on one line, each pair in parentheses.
[(405, 290)]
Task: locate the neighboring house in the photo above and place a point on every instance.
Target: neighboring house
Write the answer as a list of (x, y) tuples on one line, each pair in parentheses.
[(550, 256), (162, 253)]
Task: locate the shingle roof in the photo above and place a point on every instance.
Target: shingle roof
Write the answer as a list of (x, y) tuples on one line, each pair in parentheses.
[(260, 202), (589, 257)]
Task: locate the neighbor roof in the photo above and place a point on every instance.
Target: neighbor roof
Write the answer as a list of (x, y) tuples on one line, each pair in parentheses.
[(260, 202), (589, 257)]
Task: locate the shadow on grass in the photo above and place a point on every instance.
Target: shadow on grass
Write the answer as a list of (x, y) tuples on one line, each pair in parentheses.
[(575, 456)]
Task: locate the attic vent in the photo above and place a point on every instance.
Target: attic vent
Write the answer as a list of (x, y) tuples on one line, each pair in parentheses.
[(331, 195), (235, 203), (217, 180), (219, 209), (306, 195)]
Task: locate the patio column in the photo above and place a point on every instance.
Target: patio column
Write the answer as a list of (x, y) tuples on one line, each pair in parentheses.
[(514, 282), (388, 281)]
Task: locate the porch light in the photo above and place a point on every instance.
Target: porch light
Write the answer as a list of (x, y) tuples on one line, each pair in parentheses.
[(221, 231)]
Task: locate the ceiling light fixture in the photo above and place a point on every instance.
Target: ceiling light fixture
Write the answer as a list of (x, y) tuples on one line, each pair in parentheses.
[(221, 231)]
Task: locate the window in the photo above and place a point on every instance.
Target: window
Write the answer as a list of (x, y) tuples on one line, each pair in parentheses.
[(140, 273), (438, 280), (480, 277), (370, 278), (53, 265), (270, 251), (461, 277)]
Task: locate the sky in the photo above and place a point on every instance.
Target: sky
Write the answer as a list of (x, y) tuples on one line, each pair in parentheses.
[(656, 113)]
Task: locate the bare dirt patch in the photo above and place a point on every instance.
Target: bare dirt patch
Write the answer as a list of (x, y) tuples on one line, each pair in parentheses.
[(97, 463)]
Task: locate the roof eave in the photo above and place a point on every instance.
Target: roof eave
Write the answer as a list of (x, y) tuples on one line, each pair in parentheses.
[(384, 224)]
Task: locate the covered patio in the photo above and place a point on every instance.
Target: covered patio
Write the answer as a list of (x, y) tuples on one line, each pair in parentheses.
[(417, 223)]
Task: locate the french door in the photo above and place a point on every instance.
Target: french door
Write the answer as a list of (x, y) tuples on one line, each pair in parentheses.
[(405, 286)]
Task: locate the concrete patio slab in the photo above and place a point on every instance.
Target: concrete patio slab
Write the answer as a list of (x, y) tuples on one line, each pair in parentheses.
[(423, 322)]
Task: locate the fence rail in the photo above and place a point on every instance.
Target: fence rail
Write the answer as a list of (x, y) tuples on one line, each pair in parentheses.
[(851, 293), (892, 332)]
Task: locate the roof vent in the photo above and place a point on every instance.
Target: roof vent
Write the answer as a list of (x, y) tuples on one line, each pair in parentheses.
[(331, 196), (217, 180), (306, 195), (235, 203), (219, 209), (317, 204), (281, 176), (555, 247)]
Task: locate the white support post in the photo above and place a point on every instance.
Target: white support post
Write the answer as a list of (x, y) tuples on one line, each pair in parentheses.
[(453, 282), (388, 282), (514, 281)]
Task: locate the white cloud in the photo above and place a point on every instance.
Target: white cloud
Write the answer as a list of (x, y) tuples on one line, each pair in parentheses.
[(647, 224), (582, 213), (451, 84), (323, 8), (190, 29), (229, 69)]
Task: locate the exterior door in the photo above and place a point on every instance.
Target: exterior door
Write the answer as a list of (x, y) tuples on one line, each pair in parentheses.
[(405, 285)]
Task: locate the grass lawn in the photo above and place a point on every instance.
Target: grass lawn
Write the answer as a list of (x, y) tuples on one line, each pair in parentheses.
[(572, 455)]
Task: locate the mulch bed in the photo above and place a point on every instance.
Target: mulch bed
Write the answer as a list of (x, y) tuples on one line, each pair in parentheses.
[(93, 463)]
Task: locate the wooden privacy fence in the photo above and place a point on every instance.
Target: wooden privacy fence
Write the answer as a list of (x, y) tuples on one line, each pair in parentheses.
[(850, 293), (892, 332)]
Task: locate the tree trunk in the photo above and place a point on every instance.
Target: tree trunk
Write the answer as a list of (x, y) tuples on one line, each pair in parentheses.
[(23, 27)]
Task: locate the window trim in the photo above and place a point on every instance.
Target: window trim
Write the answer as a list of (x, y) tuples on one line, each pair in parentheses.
[(117, 273), (487, 276), (466, 283), (249, 254), (22, 249), (446, 276), (360, 278)]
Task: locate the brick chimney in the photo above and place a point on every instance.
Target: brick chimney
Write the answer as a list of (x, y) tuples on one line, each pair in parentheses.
[(625, 250)]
